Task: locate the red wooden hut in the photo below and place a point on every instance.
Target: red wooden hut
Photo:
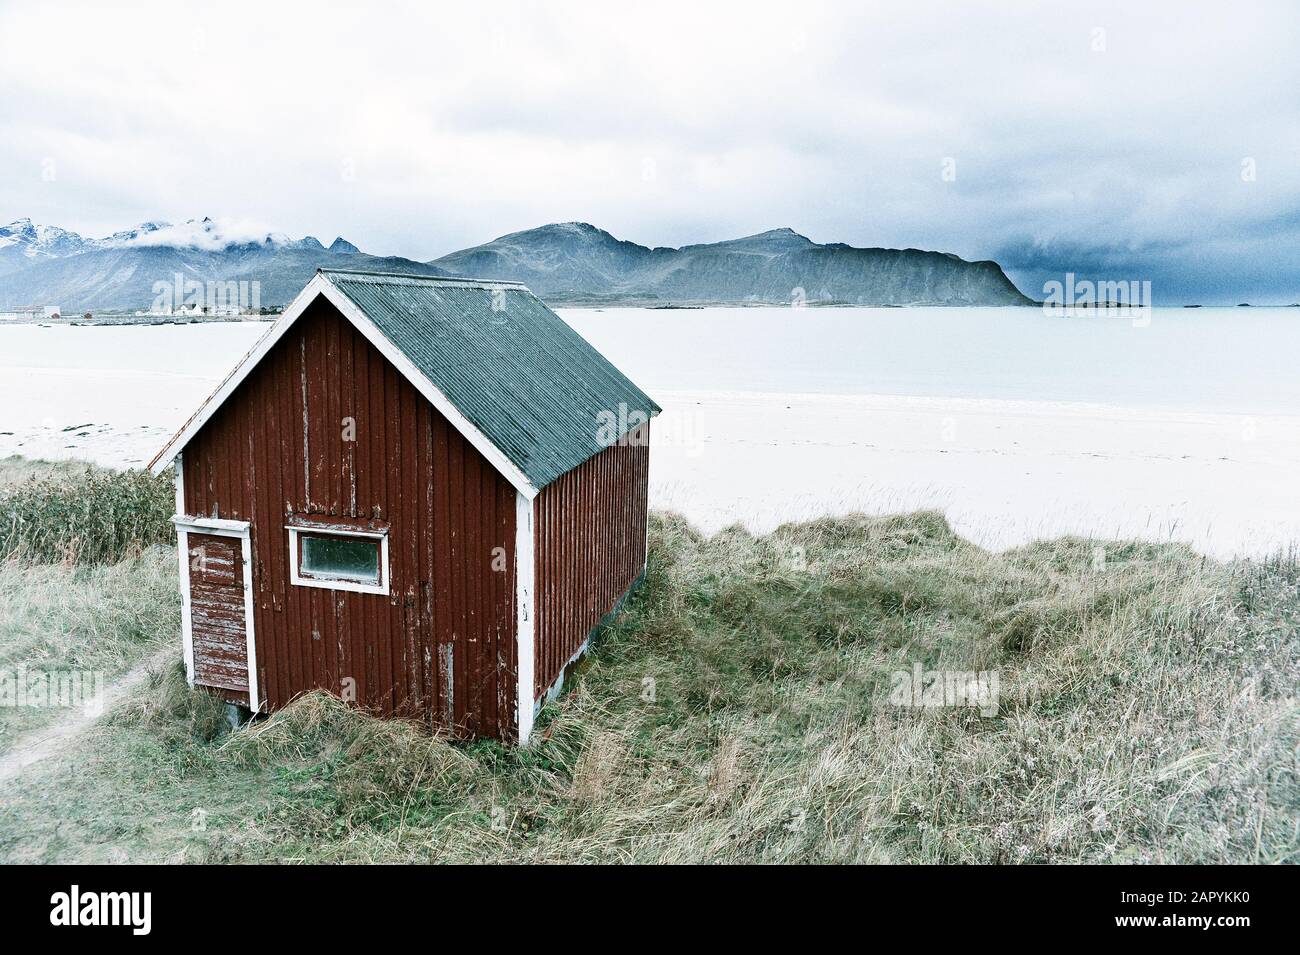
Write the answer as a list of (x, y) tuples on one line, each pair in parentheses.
[(420, 494)]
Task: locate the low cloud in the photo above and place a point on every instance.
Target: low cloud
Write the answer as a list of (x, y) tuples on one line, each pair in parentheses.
[(1065, 136), (206, 234)]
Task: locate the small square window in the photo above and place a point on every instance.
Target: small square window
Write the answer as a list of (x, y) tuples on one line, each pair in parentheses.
[(339, 560)]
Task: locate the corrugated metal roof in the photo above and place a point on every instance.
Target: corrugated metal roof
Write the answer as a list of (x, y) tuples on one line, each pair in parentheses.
[(531, 384)]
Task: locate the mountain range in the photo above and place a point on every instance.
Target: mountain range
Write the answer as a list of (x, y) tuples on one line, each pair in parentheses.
[(569, 263)]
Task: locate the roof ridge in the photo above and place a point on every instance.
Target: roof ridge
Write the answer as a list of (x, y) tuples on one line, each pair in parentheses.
[(434, 279)]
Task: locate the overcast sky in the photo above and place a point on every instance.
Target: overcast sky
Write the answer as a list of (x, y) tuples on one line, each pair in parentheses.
[(1131, 141)]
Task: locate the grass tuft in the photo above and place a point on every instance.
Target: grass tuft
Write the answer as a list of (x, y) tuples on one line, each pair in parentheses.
[(368, 772), (65, 514), (168, 706)]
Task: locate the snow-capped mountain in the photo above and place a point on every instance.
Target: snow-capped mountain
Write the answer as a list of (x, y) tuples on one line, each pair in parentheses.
[(48, 265), (207, 234), (565, 263), (25, 238), (127, 236)]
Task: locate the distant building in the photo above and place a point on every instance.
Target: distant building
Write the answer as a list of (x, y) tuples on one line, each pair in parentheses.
[(29, 313)]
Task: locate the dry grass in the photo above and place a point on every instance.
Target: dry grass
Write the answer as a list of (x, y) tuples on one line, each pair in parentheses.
[(1145, 715), (739, 711), (16, 469), (87, 581), (169, 709), (97, 619), (77, 513)]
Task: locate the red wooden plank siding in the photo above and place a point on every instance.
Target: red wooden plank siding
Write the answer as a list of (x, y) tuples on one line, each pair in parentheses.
[(590, 547), (277, 448)]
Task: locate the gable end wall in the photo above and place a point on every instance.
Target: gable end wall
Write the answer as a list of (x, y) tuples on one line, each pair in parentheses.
[(439, 647)]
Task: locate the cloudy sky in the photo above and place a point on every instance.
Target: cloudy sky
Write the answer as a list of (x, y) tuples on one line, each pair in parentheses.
[(1154, 141)]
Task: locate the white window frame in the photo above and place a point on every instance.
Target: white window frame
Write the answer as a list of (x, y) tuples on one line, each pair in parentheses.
[(325, 583)]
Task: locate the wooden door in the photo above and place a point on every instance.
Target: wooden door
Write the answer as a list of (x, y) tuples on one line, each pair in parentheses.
[(218, 619)]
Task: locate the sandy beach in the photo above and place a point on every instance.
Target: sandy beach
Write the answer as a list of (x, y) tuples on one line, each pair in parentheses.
[(1003, 471)]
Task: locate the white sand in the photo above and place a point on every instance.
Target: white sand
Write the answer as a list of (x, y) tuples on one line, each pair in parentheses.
[(1003, 471), (109, 395)]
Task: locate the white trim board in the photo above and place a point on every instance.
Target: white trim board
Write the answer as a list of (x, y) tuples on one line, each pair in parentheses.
[(525, 609), (320, 285), (185, 525), (183, 558), (211, 525)]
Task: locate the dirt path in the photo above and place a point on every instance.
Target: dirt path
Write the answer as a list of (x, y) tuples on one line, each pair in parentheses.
[(38, 744)]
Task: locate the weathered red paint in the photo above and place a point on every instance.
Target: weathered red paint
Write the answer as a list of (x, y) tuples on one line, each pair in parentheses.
[(590, 535), (441, 646)]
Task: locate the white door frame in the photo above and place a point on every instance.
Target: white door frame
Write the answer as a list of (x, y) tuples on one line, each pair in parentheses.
[(186, 525)]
